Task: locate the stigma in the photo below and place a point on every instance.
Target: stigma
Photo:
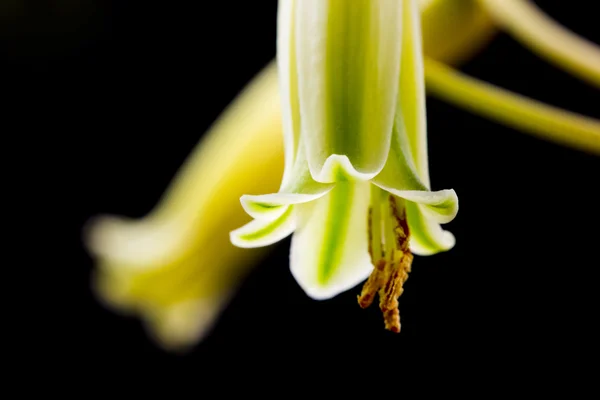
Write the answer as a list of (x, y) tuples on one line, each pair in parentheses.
[(390, 254)]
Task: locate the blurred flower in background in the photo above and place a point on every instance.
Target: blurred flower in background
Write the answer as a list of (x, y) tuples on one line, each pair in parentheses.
[(176, 269)]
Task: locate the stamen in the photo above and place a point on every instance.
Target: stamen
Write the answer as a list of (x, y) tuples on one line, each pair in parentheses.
[(372, 285), (401, 229), (389, 294), (370, 231), (392, 320), (391, 272)]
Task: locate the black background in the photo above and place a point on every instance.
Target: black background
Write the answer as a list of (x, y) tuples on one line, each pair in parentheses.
[(110, 100)]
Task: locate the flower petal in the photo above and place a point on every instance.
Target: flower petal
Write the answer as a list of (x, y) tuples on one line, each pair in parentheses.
[(329, 252), (288, 83), (407, 165), (440, 206), (411, 100), (259, 233), (177, 292), (178, 327), (299, 188), (406, 171), (427, 236), (400, 178), (348, 65), (269, 207)]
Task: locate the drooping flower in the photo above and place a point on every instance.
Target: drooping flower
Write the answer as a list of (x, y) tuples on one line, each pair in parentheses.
[(355, 189), (176, 268)]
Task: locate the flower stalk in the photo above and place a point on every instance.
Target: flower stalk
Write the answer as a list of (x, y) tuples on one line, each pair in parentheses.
[(528, 24)]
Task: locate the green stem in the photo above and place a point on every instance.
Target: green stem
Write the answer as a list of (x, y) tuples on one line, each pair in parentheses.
[(546, 37), (544, 121)]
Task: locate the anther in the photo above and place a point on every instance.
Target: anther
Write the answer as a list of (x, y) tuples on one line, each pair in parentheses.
[(372, 285), (389, 273)]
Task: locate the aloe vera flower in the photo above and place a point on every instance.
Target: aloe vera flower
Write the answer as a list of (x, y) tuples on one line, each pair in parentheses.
[(355, 189), (176, 269)]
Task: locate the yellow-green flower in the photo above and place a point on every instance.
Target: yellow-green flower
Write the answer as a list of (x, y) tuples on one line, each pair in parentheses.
[(176, 268), (356, 175)]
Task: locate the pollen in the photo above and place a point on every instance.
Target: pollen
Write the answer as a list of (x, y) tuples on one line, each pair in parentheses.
[(391, 264)]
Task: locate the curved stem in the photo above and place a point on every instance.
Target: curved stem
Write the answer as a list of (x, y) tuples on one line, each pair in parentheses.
[(544, 121), (546, 37)]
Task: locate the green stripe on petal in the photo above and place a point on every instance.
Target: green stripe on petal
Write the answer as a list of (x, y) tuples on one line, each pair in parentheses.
[(348, 69), (400, 172), (408, 145), (329, 252), (441, 208), (288, 83), (411, 100), (427, 236), (259, 233), (268, 207), (263, 207)]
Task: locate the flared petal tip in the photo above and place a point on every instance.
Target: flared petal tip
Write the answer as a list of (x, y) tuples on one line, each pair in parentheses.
[(104, 235), (338, 167), (137, 243), (326, 291), (176, 326), (446, 209), (269, 207), (445, 241), (321, 292), (260, 233), (264, 207), (179, 327), (239, 238), (440, 206)]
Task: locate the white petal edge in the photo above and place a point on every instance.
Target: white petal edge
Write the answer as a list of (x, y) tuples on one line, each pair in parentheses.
[(440, 206), (260, 233), (287, 75), (268, 207), (182, 325), (413, 73), (138, 244)]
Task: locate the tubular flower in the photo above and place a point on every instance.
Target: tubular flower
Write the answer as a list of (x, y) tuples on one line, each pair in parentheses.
[(176, 268), (355, 189)]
